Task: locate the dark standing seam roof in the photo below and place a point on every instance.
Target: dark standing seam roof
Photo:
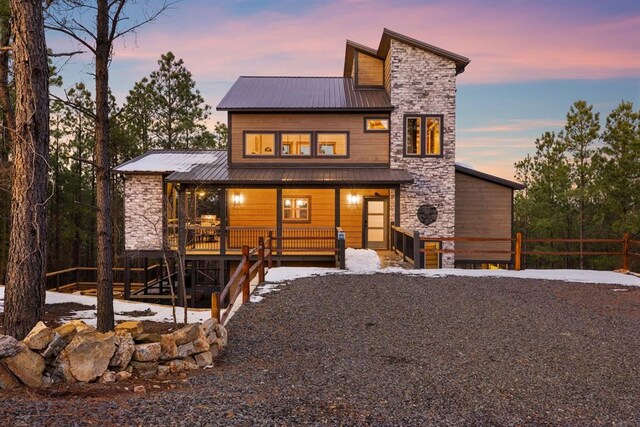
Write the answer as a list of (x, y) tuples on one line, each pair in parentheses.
[(302, 94)]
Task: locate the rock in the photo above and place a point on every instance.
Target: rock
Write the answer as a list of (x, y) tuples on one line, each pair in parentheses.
[(61, 370), (168, 347), (62, 335), (163, 370), (209, 327), (214, 351), (139, 389), (123, 376), (27, 366), (108, 377), (39, 337), (191, 361), (9, 346), (218, 343), (203, 359), (80, 326), (179, 365), (185, 350), (186, 334), (144, 338), (47, 380), (201, 344), (135, 328), (149, 352), (144, 369), (89, 355), (8, 381), (221, 332), (124, 352)]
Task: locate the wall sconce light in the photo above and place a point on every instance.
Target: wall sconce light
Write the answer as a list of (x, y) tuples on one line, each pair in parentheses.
[(353, 199), (201, 194), (237, 199)]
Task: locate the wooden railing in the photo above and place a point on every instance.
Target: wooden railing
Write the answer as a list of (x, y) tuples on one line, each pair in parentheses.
[(84, 278), (240, 281)]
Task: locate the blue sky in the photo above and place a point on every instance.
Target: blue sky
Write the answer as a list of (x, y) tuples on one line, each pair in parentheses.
[(529, 61)]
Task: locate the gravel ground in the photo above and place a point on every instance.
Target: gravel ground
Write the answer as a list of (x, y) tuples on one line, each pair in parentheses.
[(395, 350)]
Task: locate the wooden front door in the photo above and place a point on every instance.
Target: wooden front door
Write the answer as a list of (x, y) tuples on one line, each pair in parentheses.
[(376, 223)]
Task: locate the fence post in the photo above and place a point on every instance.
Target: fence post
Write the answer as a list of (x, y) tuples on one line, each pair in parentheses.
[(625, 252), (127, 277), (342, 254), (246, 283), (270, 248), (518, 254), (261, 259), (404, 247), (215, 306), (417, 256), (392, 242)]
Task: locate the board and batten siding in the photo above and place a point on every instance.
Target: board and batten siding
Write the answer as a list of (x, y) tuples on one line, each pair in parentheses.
[(143, 212), (370, 147), (370, 70), (483, 209)]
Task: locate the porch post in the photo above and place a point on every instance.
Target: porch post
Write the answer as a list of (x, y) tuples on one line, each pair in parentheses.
[(193, 282), (182, 244), (127, 277), (397, 206), (279, 222), (337, 207), (146, 275), (222, 197)]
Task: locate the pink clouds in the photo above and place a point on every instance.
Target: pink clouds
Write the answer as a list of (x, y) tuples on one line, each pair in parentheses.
[(522, 42)]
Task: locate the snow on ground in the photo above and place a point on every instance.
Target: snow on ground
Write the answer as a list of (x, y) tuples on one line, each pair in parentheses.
[(158, 313)]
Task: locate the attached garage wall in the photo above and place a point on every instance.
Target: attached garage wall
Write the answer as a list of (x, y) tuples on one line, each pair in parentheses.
[(483, 209)]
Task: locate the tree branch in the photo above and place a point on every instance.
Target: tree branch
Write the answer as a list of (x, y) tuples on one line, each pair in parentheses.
[(75, 106), (56, 55)]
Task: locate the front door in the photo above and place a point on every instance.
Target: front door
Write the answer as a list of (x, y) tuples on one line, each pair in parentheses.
[(375, 223)]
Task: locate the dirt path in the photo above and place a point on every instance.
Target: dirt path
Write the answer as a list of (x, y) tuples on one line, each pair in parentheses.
[(399, 350)]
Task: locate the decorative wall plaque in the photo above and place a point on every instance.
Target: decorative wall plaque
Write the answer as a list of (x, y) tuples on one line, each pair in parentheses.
[(427, 214)]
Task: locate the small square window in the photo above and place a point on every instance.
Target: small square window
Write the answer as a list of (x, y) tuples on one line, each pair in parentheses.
[(296, 209), (376, 124), (295, 144), (260, 144)]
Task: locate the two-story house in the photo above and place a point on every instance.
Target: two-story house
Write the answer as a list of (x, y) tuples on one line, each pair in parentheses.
[(309, 154)]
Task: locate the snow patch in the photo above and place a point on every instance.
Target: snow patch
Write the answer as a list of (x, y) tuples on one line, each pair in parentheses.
[(362, 260)]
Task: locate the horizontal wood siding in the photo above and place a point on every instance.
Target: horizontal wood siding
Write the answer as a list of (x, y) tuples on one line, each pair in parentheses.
[(351, 215), (364, 147), (257, 209), (322, 208), (483, 209), (387, 73), (369, 70)]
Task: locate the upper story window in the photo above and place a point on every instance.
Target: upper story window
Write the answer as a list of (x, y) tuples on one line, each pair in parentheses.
[(295, 144), (332, 144), (423, 135), (260, 144), (376, 124)]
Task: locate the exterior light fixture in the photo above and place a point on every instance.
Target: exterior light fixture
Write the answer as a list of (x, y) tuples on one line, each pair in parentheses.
[(353, 199), (237, 199), (201, 194)]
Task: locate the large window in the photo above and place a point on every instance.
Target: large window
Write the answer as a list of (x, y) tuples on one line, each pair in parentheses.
[(296, 209), (423, 135), (332, 144), (260, 144), (295, 144)]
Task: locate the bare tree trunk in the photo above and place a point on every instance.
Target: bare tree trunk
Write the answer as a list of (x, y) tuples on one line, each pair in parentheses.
[(103, 172), (9, 122), (26, 269)]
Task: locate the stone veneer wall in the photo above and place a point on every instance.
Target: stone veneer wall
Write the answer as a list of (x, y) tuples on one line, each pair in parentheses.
[(143, 197), (424, 83)]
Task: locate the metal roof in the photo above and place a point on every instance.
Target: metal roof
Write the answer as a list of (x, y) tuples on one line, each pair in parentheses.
[(490, 178), (302, 94), (168, 161)]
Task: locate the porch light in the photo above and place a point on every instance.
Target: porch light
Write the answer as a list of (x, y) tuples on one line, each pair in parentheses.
[(353, 199), (237, 199), (201, 194)]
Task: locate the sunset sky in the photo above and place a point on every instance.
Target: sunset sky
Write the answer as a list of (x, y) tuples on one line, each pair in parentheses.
[(529, 60)]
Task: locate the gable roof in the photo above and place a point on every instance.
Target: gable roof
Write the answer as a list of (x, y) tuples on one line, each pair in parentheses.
[(385, 42), (490, 178), (302, 94)]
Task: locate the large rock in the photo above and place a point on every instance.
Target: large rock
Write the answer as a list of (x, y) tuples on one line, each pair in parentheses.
[(209, 327), (124, 352), (80, 326), (179, 365), (123, 376), (108, 377), (221, 332), (185, 350), (88, 355), (39, 337), (200, 344), (145, 369), (149, 352), (144, 338), (62, 335), (27, 366), (133, 327), (203, 359), (186, 334), (168, 347), (9, 346), (8, 381)]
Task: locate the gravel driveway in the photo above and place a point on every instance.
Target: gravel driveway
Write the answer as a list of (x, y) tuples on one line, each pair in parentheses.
[(396, 350)]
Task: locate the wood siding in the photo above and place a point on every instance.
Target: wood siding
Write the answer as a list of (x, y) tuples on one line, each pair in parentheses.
[(370, 70), (483, 209), (370, 148), (351, 215), (387, 74), (257, 209)]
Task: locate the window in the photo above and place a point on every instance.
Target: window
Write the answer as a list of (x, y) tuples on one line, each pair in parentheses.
[(260, 144), (423, 135), (332, 144), (376, 124), (295, 144), (296, 209)]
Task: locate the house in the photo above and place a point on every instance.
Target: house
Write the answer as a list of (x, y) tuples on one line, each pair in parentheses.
[(306, 155)]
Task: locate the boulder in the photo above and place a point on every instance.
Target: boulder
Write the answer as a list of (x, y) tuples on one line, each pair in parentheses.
[(61, 370), (149, 352), (200, 344), (9, 346), (124, 352), (89, 354), (133, 327), (140, 389), (145, 369), (179, 365), (61, 337), (108, 377), (186, 334), (209, 327), (163, 370), (218, 343), (143, 338), (168, 347), (80, 326), (27, 366), (203, 359), (39, 337), (123, 376), (221, 332), (214, 351), (185, 350), (8, 381)]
